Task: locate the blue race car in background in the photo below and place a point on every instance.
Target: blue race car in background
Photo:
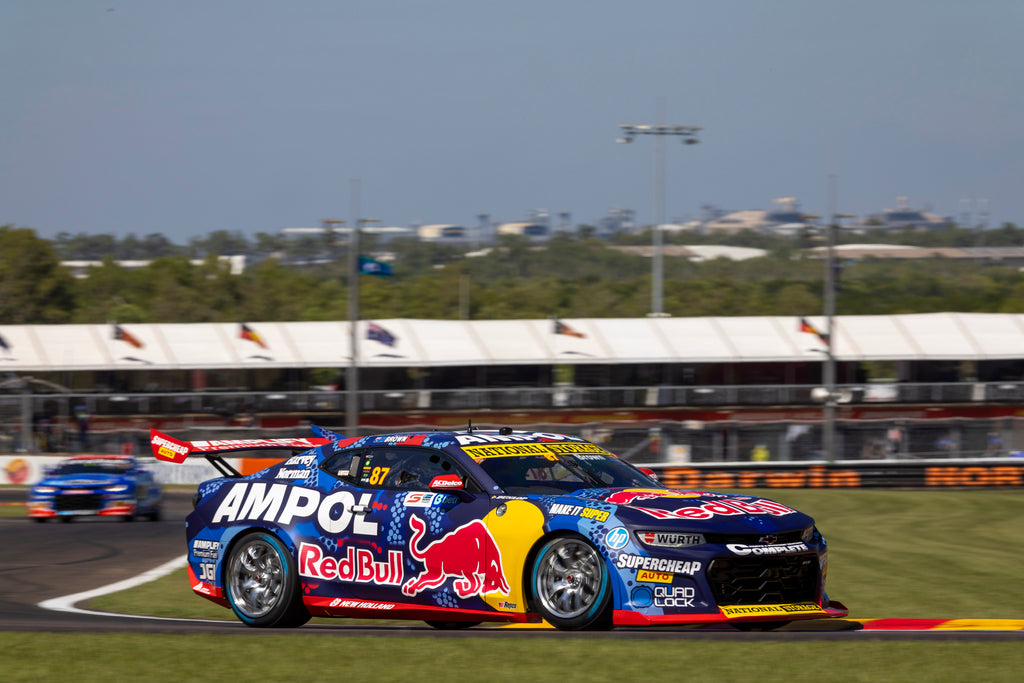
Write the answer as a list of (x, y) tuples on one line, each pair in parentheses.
[(96, 485), (459, 528)]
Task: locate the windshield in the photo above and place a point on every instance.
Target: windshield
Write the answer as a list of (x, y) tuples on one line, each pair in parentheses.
[(563, 473), (91, 467)]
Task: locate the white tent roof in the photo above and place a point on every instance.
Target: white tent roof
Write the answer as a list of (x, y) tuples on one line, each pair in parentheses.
[(929, 336)]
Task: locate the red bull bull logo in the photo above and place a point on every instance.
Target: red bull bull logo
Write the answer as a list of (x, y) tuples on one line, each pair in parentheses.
[(630, 496), (467, 554)]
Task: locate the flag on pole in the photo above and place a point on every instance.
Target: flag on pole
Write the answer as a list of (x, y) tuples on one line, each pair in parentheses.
[(249, 334), (379, 334), (811, 329), (121, 334), (370, 266), (562, 328)]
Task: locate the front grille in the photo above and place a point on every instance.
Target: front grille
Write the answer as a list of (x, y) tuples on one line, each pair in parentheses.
[(754, 539), (764, 580), (77, 502)]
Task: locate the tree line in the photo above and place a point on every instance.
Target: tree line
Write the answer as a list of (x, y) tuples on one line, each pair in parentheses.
[(573, 275)]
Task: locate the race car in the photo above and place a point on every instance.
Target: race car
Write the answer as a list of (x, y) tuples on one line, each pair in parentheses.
[(97, 485), (464, 527)]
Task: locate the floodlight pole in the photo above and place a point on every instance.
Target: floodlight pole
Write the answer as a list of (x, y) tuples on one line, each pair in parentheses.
[(352, 376), (829, 377), (687, 134), (829, 425)]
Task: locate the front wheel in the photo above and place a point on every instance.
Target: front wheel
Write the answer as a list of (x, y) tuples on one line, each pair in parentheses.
[(571, 585), (261, 583)]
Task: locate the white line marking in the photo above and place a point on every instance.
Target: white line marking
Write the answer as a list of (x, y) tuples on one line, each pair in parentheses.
[(67, 603)]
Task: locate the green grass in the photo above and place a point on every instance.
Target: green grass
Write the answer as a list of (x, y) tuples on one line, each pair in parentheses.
[(911, 554), (264, 657), (13, 510)]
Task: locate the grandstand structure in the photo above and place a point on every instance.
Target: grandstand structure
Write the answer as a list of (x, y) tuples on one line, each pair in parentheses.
[(684, 389)]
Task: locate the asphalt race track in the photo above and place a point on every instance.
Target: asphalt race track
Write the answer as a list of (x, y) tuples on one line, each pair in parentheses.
[(40, 562)]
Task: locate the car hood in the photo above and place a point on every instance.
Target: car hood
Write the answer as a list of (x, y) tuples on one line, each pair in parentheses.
[(85, 480), (671, 508)]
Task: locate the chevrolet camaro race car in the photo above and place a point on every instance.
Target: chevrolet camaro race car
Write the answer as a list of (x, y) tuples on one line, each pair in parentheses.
[(103, 485), (459, 528)]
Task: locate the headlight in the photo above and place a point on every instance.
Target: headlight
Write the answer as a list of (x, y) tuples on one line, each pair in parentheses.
[(810, 534), (44, 489), (121, 488)]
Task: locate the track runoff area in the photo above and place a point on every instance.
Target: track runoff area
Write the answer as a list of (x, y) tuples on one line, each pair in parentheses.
[(68, 603)]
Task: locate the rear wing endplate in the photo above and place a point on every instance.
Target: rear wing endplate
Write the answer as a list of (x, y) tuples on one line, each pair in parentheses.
[(169, 449)]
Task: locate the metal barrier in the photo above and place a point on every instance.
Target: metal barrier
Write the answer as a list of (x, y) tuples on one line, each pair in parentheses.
[(40, 423)]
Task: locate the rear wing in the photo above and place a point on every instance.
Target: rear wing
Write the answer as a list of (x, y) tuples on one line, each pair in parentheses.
[(169, 449)]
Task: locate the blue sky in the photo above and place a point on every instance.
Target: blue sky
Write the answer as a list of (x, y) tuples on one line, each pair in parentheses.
[(191, 116)]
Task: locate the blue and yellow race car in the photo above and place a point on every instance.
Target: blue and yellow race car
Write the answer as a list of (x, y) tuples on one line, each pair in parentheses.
[(96, 485), (459, 528)]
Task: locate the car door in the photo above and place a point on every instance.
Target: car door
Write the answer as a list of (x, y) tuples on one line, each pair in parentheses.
[(418, 545)]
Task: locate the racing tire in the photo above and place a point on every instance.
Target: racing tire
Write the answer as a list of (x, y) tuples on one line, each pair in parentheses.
[(261, 583), (570, 585), (452, 625)]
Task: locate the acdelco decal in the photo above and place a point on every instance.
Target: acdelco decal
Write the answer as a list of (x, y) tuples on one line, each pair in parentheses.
[(778, 549), (721, 507), (284, 504), (358, 565)]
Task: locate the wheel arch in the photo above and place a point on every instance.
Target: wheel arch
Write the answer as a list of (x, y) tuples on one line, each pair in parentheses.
[(531, 559), (294, 611)]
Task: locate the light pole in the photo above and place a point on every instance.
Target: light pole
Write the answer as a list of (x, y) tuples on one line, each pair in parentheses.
[(829, 440), (687, 135), (352, 377)]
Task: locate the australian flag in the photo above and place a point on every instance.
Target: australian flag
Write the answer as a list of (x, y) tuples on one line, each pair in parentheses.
[(378, 333), (369, 266), (121, 334)]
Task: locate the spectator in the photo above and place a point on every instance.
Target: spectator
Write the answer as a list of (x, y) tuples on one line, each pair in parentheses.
[(82, 420)]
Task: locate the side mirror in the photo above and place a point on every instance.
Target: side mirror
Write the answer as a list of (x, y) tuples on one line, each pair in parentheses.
[(650, 473)]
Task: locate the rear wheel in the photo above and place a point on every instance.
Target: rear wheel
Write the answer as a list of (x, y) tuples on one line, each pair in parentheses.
[(261, 583), (571, 587)]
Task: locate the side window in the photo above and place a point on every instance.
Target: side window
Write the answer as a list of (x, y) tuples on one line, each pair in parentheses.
[(410, 469), (341, 463)]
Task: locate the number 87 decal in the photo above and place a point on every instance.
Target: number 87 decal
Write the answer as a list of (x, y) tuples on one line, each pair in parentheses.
[(377, 476)]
